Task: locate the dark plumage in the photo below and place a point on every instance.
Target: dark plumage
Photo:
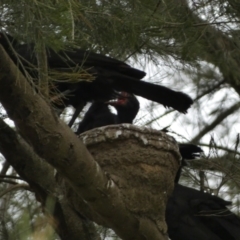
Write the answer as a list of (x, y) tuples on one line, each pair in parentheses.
[(188, 151), (99, 114), (109, 75), (127, 107), (194, 215)]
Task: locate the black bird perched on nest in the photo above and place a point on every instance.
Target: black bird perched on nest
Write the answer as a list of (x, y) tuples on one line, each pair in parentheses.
[(99, 114), (188, 151), (107, 76), (127, 106)]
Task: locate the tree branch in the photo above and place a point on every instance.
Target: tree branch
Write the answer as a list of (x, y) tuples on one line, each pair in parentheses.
[(15, 187), (215, 122), (232, 151), (209, 43), (32, 168), (56, 143)]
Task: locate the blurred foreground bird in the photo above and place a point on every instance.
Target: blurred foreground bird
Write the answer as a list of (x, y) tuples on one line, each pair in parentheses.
[(98, 76)]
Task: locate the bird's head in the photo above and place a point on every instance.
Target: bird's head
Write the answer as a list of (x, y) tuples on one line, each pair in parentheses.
[(127, 106)]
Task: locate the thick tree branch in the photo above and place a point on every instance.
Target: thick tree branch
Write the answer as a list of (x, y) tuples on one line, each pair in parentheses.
[(40, 176), (210, 90), (5, 168), (14, 188), (56, 143)]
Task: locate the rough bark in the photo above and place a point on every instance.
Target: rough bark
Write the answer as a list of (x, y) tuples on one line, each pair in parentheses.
[(40, 177)]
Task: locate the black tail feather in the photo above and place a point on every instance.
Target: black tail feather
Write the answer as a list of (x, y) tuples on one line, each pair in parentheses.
[(157, 93)]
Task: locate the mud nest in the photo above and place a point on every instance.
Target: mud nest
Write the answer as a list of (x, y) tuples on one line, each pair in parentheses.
[(142, 162)]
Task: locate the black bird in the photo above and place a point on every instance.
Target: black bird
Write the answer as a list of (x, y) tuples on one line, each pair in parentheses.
[(99, 114), (127, 107), (108, 75), (188, 151), (195, 215)]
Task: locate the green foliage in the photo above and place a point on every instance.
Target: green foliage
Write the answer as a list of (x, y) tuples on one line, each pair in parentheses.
[(199, 39)]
